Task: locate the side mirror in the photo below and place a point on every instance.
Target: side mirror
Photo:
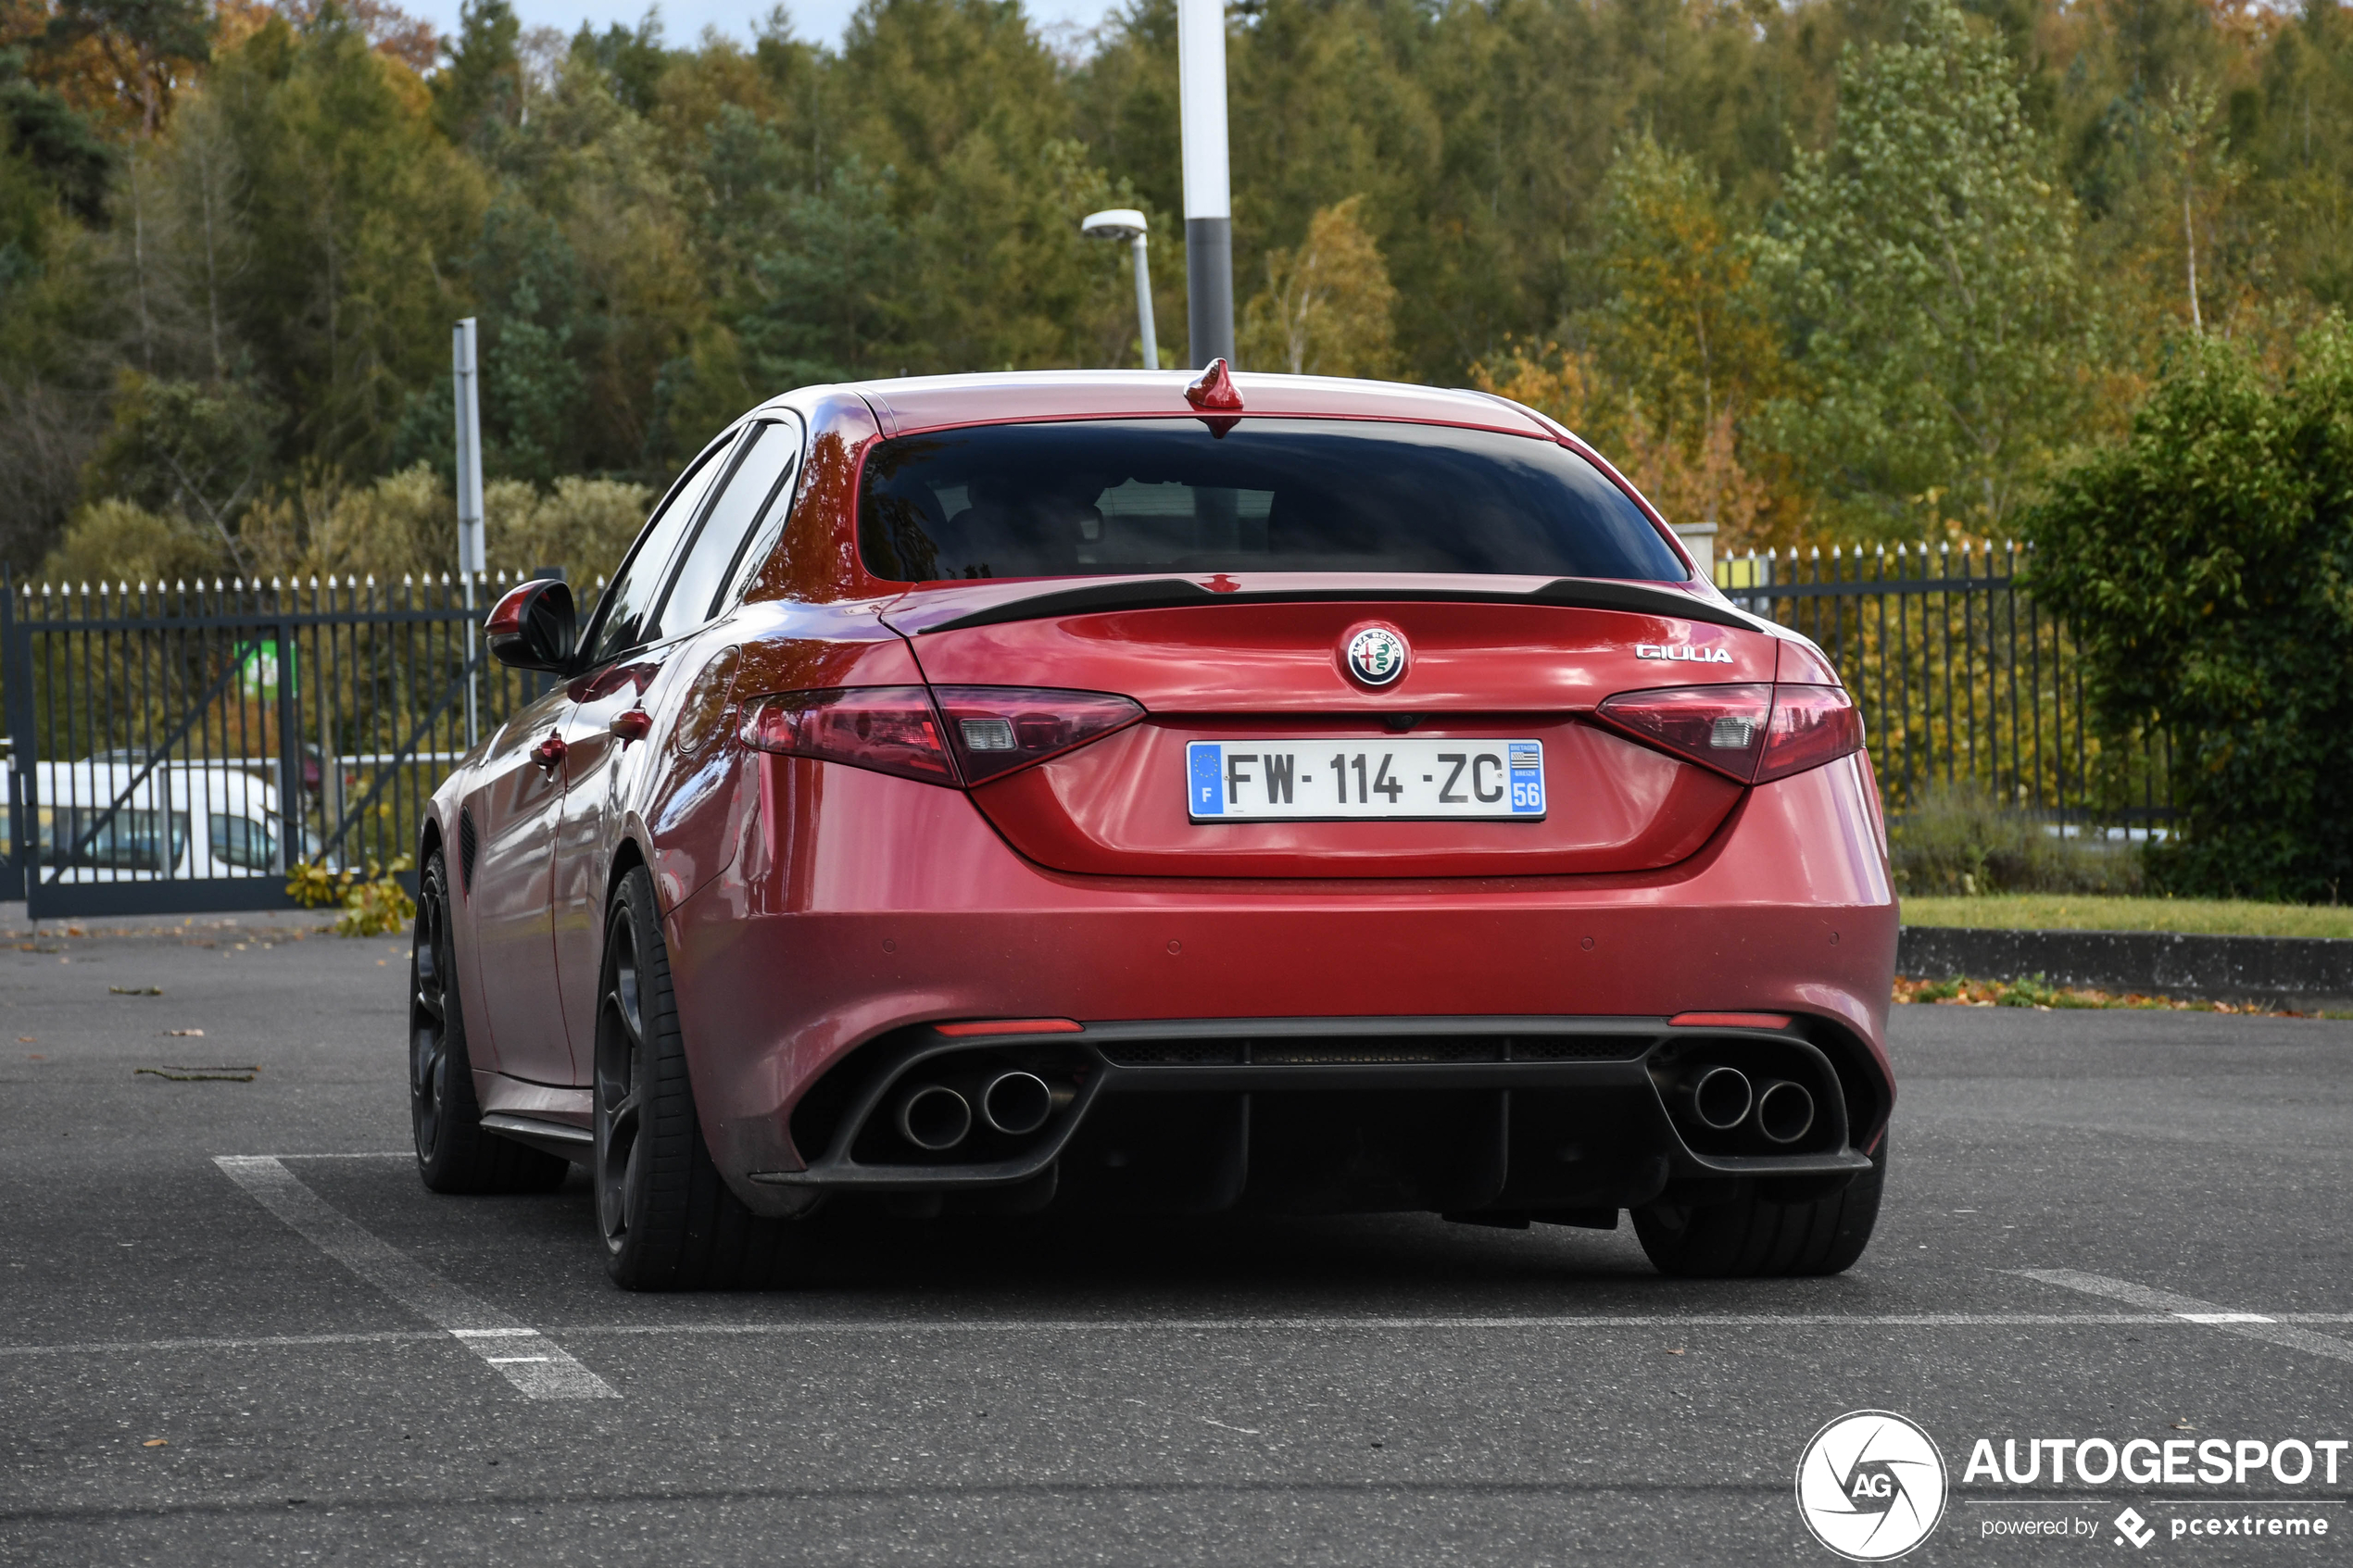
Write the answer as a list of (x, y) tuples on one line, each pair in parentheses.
[(533, 627)]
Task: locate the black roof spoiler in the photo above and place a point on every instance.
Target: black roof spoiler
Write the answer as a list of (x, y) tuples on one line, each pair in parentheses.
[(1164, 593)]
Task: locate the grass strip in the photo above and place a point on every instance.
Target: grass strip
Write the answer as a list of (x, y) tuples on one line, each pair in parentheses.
[(2088, 912), (2036, 993)]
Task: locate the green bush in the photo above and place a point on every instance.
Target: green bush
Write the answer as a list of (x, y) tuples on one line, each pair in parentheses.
[(2204, 567), (1959, 839)]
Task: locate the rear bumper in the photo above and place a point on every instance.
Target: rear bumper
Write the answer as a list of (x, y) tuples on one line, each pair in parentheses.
[(861, 908)]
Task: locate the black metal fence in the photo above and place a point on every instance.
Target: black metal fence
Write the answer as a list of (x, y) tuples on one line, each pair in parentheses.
[(176, 749), (1963, 678)]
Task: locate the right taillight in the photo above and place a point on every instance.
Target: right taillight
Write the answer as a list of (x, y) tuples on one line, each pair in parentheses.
[(1811, 725), (1749, 733)]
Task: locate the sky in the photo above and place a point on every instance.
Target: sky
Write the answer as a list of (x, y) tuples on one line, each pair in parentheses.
[(820, 21)]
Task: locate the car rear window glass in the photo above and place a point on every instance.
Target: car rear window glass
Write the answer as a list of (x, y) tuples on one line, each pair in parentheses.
[(1082, 498)]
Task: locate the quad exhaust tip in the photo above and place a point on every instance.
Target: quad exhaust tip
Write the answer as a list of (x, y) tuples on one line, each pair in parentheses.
[(1718, 1097), (1784, 1112), (1016, 1103), (935, 1118)]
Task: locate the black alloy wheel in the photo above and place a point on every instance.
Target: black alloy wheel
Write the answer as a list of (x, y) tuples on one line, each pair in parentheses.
[(669, 1221), (453, 1152)]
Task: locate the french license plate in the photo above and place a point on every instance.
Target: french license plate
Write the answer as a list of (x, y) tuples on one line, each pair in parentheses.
[(1304, 780)]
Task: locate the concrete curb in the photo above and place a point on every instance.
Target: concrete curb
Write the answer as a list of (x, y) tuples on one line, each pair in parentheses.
[(2302, 972)]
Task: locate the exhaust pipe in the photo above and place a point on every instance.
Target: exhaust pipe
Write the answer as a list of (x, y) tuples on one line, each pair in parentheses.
[(1785, 1111), (1016, 1103), (935, 1118), (1718, 1097)]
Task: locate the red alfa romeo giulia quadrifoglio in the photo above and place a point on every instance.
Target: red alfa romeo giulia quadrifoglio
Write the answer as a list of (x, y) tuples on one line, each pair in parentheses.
[(1107, 792)]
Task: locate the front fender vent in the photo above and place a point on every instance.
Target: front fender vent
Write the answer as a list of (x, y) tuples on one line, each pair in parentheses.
[(467, 844)]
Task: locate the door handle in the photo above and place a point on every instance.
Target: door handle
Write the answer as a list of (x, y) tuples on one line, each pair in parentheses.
[(549, 753), (631, 724)]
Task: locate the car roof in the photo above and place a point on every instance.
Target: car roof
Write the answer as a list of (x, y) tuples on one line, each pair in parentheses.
[(915, 403)]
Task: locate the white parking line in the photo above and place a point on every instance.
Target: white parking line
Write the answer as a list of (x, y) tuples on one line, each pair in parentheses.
[(881, 1328), (554, 1375), (2276, 1328)]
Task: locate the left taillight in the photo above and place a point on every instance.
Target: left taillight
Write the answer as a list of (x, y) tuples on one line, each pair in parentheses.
[(971, 735), (888, 729), (1753, 733)]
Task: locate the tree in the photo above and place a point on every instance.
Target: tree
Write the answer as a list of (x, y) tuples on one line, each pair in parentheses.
[(185, 450), (1927, 261), (2205, 568), (58, 141), (1325, 307), (138, 52), (478, 94), (357, 215), (1686, 340)]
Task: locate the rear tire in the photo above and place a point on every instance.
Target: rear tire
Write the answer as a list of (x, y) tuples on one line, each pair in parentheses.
[(453, 1152), (1752, 1233), (669, 1221)]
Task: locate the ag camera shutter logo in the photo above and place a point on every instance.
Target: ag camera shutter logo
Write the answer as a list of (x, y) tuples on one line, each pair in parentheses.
[(1871, 1486)]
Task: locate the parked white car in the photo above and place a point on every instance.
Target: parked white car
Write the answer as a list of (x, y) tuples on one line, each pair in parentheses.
[(181, 821)]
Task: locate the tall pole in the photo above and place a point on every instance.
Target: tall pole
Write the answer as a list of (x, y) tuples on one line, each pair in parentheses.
[(1144, 302), (1209, 199), (470, 549)]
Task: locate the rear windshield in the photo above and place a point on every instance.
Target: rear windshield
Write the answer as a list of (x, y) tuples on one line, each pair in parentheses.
[(1128, 495)]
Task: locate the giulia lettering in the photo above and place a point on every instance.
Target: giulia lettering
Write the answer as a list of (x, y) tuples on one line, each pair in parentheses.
[(1683, 654)]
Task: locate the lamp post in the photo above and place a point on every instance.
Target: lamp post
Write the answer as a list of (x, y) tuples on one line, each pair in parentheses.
[(470, 543), (1209, 198), (1127, 224)]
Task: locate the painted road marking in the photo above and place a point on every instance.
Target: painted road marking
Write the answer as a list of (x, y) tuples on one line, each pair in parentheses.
[(1190, 1326), (469, 1322), (2272, 1328)]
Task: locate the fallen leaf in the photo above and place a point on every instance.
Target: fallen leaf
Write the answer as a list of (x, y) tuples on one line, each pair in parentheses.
[(156, 1443), (1674, 1353), (134, 990), (2184, 1426), (26, 1040), (34, 1056), (196, 1034), (199, 1074)]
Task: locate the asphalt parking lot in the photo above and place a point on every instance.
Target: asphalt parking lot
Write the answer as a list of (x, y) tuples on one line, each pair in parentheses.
[(237, 1329)]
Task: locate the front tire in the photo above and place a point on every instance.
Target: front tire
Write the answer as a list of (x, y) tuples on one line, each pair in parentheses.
[(668, 1218), (453, 1152), (1759, 1231)]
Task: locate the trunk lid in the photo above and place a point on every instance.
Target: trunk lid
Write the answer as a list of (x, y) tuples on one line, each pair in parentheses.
[(1262, 664)]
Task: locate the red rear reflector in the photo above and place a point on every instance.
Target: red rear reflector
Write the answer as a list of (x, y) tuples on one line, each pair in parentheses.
[(888, 729), (1729, 1021), (1749, 733), (1010, 1026), (998, 729)]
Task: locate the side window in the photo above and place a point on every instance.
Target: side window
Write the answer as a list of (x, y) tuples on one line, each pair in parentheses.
[(762, 462), (768, 531), (239, 841), (623, 620)]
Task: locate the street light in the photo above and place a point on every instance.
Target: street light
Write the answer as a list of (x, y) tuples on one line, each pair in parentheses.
[(1209, 197), (1127, 224)]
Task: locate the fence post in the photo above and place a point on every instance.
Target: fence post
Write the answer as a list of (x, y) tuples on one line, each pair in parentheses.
[(15, 681)]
